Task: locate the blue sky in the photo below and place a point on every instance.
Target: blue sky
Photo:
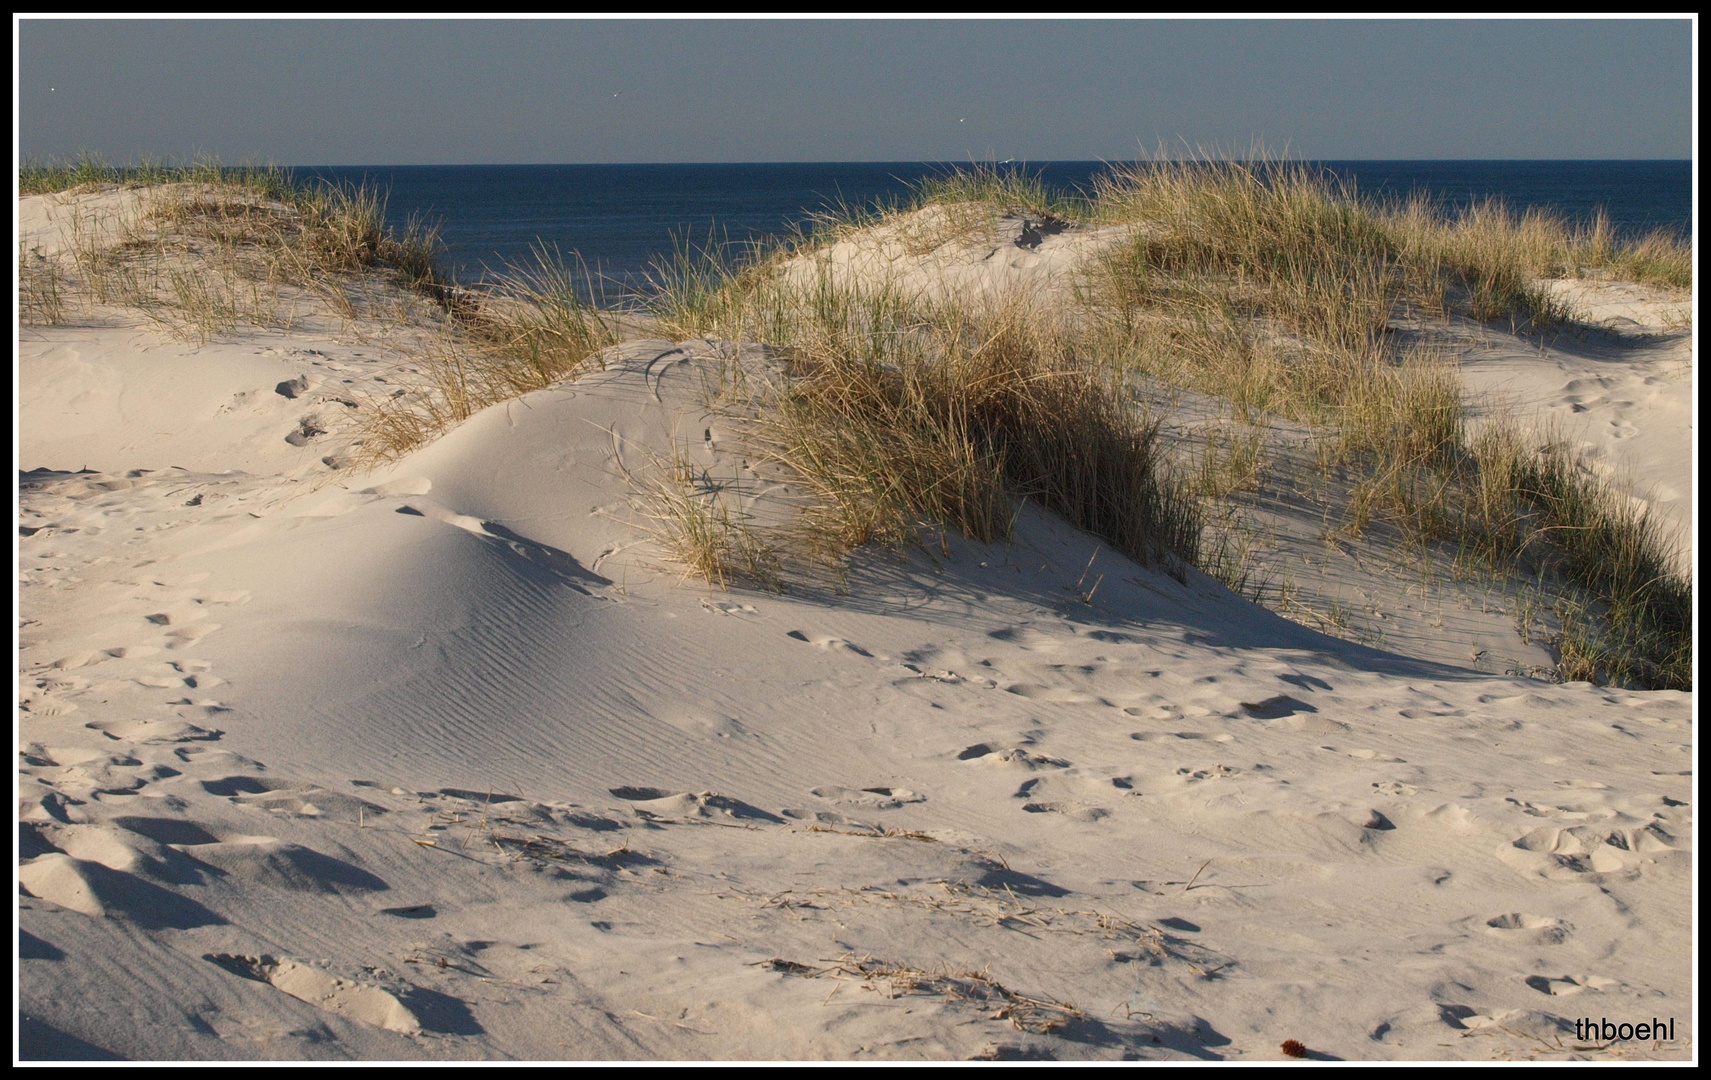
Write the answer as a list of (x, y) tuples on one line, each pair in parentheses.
[(475, 91)]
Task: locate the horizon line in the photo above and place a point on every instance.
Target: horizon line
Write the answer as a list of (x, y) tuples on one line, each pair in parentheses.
[(25, 161)]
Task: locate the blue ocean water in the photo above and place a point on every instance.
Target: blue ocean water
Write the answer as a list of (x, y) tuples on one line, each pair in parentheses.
[(621, 220)]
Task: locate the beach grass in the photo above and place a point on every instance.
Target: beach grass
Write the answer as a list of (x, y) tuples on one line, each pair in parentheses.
[(204, 247), (703, 524), (534, 326), (905, 417), (1270, 286), (1274, 287), (89, 171)]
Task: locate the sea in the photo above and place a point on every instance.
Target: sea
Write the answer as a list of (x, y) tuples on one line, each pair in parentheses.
[(624, 223)]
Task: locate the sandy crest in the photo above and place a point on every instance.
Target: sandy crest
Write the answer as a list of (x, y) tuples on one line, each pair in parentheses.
[(448, 762)]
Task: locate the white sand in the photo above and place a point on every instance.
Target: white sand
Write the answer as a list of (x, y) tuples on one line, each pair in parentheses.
[(1619, 394), (447, 762)]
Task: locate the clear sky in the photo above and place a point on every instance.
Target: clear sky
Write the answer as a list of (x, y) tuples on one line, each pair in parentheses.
[(459, 92)]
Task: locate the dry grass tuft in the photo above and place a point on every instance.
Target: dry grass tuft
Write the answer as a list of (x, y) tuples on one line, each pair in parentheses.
[(905, 417), (1267, 284), (43, 289), (535, 327), (206, 249), (209, 249), (1274, 287), (704, 525)]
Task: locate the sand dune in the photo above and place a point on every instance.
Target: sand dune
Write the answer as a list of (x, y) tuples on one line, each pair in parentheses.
[(448, 761)]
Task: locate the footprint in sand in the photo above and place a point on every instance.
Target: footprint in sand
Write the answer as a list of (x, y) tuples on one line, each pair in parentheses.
[(877, 798), (832, 818), (1561, 986), (936, 674), (1162, 713), (179, 616), (277, 864), (1211, 772), (204, 758), (1564, 854), (412, 911), (1309, 725), (290, 797), (189, 635), (1528, 929), (1152, 736), (1395, 788), (368, 1001), (1015, 757), (728, 607), (1276, 707), (77, 660), (659, 804), (829, 644), (132, 652), (1035, 692), (1365, 754), (48, 706), (167, 830), (1026, 637), (155, 732), (82, 772), (1072, 811), (1110, 637)]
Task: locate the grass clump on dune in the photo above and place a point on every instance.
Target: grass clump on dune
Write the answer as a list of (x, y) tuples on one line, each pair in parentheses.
[(1628, 615), (904, 417), (532, 328), (1268, 285), (960, 422), (202, 249), (1274, 287)]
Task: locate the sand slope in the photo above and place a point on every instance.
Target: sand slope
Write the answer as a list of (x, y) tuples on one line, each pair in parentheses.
[(1618, 391), (447, 762)]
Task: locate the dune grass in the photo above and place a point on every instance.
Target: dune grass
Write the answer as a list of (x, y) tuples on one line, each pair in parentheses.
[(43, 291), (905, 418), (1272, 287), (1276, 288), (202, 249), (534, 327), (703, 524), (90, 171)]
